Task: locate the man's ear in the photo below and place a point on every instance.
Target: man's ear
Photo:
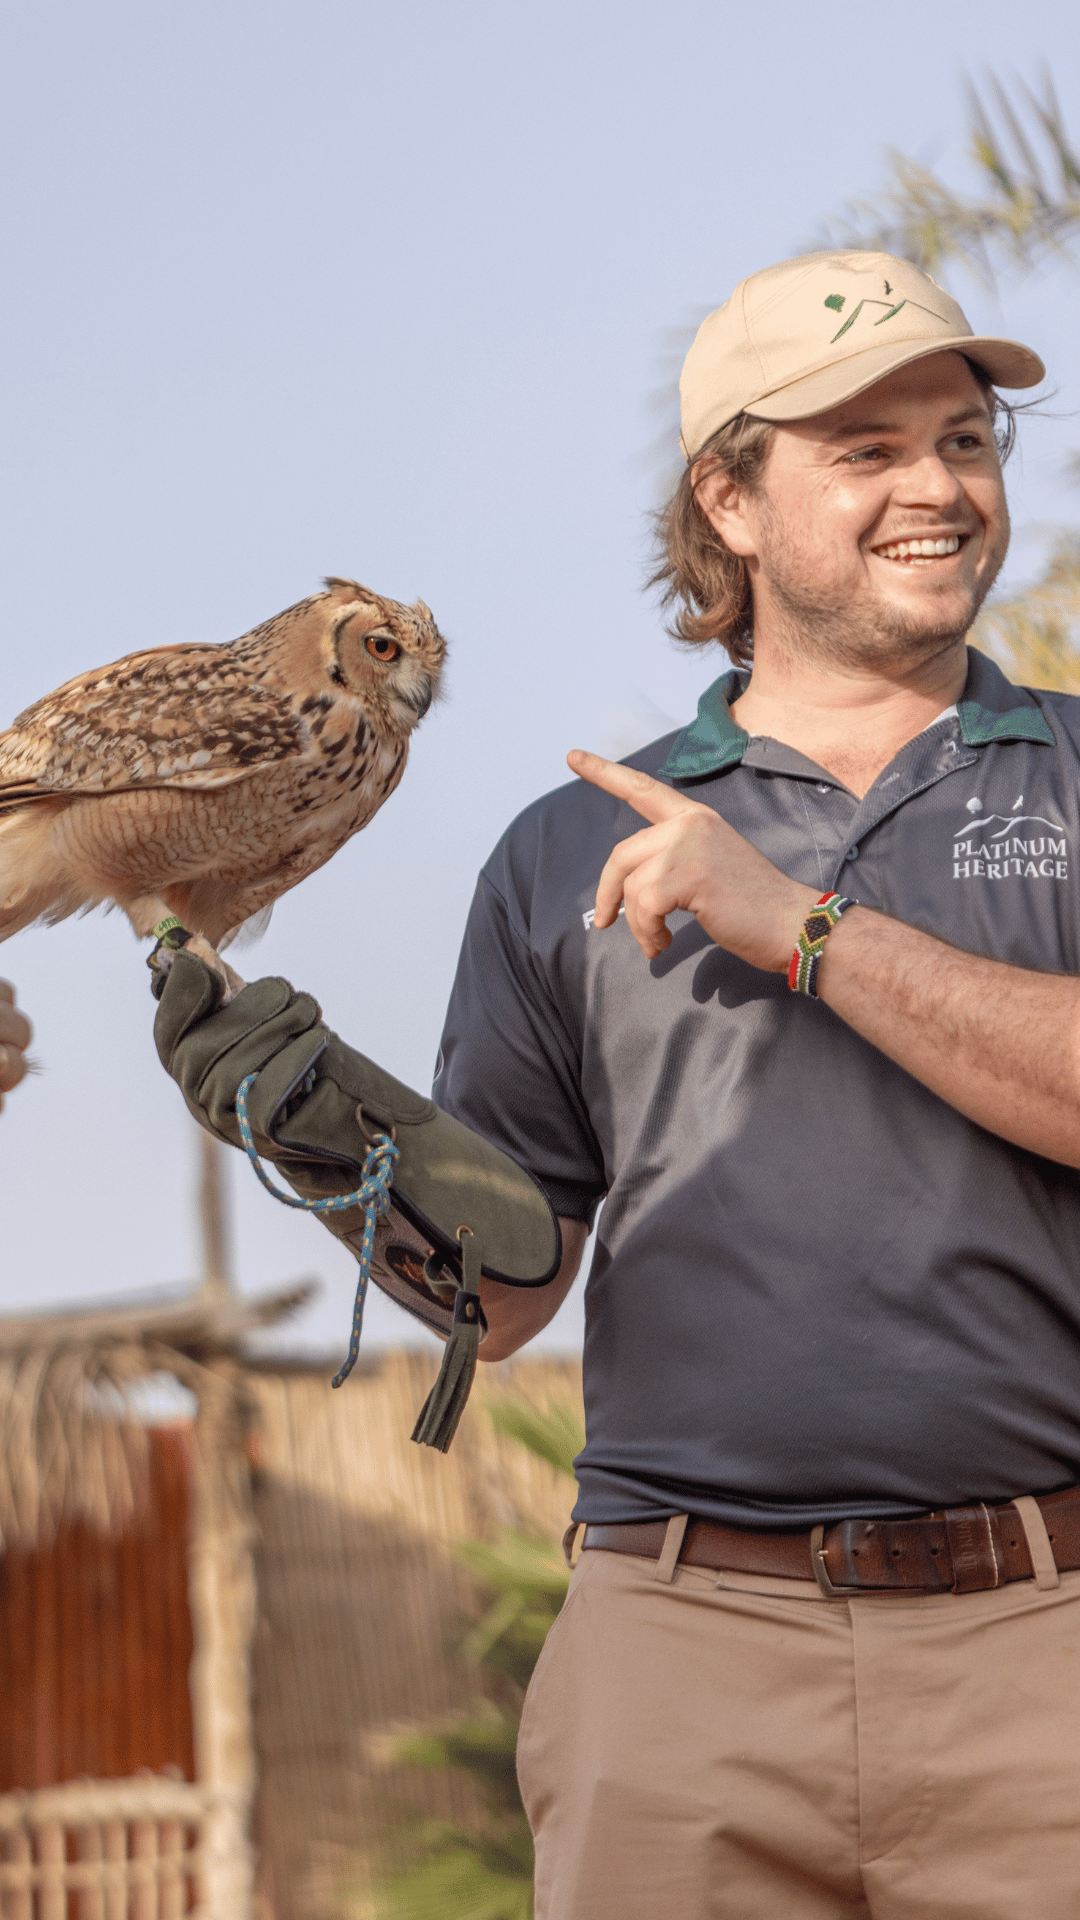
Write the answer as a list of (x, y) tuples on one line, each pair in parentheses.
[(723, 503)]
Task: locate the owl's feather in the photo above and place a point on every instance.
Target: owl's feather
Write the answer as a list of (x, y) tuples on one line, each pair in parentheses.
[(184, 714), (207, 780)]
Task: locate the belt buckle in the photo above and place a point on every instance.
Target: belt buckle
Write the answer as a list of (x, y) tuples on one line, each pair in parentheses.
[(818, 1556)]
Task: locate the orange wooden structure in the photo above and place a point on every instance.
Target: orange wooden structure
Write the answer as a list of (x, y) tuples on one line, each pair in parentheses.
[(96, 1642)]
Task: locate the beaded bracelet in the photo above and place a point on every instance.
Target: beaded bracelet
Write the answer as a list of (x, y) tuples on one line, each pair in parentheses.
[(815, 930)]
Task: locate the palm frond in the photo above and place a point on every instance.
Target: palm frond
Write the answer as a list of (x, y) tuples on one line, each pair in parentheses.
[(553, 1433), (462, 1879), (1018, 218), (1034, 634), (1048, 113)]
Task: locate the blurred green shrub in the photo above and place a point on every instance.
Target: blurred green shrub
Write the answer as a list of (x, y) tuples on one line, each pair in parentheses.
[(487, 1873)]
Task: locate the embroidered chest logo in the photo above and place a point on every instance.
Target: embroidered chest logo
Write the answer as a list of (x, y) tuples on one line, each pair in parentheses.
[(1009, 846)]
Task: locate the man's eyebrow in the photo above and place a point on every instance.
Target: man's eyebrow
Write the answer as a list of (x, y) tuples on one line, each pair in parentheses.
[(866, 429)]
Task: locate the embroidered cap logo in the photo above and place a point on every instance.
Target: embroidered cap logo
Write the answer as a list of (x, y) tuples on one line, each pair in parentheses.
[(836, 301)]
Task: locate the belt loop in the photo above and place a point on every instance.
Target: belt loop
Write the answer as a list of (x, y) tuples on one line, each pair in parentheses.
[(671, 1549), (569, 1541), (1043, 1564), (973, 1535)]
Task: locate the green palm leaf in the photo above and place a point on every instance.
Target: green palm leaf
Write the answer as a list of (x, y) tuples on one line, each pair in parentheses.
[(460, 1882), (554, 1434)]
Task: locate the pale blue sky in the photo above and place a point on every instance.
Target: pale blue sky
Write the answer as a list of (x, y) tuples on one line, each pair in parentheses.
[(383, 291)]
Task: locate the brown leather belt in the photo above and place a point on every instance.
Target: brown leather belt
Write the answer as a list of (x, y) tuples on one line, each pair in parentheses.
[(959, 1550)]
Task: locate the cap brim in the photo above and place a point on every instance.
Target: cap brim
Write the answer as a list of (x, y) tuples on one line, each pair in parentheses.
[(1006, 361)]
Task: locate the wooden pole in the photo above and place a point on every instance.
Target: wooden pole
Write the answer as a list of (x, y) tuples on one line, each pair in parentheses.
[(217, 1275)]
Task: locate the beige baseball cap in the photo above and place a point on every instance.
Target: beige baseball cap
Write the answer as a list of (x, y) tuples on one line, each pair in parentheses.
[(800, 337)]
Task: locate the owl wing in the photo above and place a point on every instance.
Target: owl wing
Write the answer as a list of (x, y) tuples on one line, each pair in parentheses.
[(184, 716)]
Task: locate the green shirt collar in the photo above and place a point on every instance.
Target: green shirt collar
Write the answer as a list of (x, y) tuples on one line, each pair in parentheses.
[(991, 709), (712, 742)]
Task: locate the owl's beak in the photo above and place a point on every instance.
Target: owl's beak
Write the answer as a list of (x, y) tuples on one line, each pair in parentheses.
[(420, 702)]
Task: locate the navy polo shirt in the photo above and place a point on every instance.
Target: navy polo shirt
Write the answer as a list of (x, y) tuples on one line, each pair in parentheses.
[(817, 1289)]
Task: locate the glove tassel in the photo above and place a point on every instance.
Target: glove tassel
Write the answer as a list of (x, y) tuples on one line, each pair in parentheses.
[(445, 1404)]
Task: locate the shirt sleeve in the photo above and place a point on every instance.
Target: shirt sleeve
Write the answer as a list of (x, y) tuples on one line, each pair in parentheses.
[(509, 1067)]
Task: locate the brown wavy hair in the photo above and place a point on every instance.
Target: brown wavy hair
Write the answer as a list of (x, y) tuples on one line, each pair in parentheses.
[(697, 574)]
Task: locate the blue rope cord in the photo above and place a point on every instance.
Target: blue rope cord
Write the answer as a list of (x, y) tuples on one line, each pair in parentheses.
[(373, 1194)]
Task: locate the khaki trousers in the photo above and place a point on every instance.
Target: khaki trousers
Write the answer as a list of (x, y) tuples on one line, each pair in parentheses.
[(696, 1744)]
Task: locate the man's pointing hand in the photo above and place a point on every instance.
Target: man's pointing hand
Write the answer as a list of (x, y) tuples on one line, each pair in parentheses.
[(689, 857)]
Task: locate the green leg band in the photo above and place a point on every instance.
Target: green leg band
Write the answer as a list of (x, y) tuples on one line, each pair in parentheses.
[(169, 936)]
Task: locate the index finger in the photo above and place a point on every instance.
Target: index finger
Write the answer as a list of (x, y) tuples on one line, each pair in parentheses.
[(7, 992), (647, 796)]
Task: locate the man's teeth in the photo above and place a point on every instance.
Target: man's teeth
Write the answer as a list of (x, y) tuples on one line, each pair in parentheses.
[(920, 549)]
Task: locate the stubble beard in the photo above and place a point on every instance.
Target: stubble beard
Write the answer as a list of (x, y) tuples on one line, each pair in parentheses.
[(864, 635)]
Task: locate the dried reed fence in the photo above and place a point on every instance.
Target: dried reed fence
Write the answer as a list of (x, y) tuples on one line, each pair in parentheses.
[(103, 1850), (361, 1604)]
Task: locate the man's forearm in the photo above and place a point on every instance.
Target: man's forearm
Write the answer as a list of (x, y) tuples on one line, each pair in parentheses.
[(515, 1314), (999, 1043)]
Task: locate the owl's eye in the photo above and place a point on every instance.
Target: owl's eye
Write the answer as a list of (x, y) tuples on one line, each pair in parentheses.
[(381, 647)]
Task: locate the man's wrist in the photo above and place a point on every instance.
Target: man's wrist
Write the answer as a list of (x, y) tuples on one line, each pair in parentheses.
[(799, 906), (839, 946)]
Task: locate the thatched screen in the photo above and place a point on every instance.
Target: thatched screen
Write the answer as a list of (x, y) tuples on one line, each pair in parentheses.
[(360, 1602)]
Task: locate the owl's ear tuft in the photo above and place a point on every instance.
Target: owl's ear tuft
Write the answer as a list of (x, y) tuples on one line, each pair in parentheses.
[(345, 589)]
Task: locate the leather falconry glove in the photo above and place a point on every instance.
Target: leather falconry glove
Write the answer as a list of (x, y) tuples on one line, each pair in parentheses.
[(458, 1208)]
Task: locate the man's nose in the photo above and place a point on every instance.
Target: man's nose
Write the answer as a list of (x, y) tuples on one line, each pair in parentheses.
[(928, 482)]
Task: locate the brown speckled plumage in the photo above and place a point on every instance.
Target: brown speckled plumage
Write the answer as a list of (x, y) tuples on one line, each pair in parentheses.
[(207, 780)]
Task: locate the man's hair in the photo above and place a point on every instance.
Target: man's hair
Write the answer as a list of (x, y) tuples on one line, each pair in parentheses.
[(707, 584)]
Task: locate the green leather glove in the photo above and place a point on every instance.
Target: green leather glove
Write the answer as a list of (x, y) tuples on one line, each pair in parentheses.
[(459, 1207)]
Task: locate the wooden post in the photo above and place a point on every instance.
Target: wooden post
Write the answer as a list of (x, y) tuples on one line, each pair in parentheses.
[(90, 1904), (172, 1878), (221, 1585), (52, 1900), (116, 1902), (144, 1899), (214, 1216), (20, 1902)]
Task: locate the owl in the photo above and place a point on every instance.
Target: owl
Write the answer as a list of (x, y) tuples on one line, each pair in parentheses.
[(205, 781)]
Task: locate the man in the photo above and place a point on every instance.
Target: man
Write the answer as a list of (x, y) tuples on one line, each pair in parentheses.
[(15, 1037), (821, 1650)]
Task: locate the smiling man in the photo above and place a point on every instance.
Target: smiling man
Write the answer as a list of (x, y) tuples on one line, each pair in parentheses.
[(793, 993)]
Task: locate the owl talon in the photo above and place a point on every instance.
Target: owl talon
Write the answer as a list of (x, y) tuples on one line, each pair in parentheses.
[(197, 944), (160, 960), (171, 937)]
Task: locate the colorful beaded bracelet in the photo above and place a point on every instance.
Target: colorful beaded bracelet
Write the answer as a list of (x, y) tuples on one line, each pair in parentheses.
[(815, 930)]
